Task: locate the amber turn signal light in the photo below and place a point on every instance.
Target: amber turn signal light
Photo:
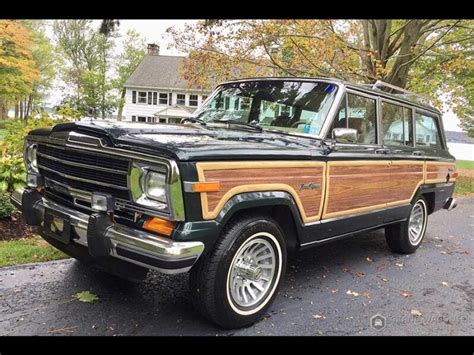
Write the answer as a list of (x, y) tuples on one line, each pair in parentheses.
[(206, 186), (159, 225)]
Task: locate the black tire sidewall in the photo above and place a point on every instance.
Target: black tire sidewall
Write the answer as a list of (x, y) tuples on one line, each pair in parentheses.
[(234, 241)]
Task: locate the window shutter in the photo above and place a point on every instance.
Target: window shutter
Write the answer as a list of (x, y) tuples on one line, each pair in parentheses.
[(134, 97), (149, 97), (170, 99), (154, 98)]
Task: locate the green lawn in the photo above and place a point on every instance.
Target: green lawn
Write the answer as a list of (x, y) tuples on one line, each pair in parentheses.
[(465, 180), (465, 164), (28, 250), (3, 133)]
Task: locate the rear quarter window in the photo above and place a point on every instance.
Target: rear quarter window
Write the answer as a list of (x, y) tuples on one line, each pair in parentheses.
[(427, 131)]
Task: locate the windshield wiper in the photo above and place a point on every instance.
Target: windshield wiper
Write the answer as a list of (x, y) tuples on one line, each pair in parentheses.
[(253, 125), (193, 120)]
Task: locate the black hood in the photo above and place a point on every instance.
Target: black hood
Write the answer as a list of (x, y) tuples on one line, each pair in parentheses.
[(188, 142)]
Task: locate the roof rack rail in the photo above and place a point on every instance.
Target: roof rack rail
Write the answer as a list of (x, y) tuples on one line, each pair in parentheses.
[(380, 83)]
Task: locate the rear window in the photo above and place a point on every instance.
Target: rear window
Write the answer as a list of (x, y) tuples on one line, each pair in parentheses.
[(427, 131)]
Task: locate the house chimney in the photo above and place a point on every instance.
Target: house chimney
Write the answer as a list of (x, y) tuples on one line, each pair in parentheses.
[(153, 49)]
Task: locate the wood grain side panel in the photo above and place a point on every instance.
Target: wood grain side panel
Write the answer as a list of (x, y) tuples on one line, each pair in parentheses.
[(354, 187), (241, 177), (405, 178), (438, 171)]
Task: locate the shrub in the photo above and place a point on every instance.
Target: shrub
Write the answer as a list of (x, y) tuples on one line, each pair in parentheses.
[(12, 172), (6, 208)]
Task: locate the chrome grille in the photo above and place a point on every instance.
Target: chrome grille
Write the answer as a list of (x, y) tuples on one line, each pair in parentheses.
[(84, 170)]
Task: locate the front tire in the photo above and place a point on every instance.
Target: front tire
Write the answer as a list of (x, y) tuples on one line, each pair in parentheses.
[(235, 283), (406, 237)]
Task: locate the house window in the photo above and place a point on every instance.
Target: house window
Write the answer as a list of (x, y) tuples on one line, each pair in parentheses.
[(134, 118), (163, 99), (193, 100), (149, 97), (141, 119), (155, 95), (162, 120), (181, 99), (151, 119), (142, 97), (134, 97)]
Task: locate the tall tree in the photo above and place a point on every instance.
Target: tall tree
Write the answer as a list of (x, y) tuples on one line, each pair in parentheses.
[(126, 62), (418, 54), (18, 70), (86, 51), (43, 54)]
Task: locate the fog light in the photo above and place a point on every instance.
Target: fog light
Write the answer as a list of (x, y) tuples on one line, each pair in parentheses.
[(34, 181), (102, 202)]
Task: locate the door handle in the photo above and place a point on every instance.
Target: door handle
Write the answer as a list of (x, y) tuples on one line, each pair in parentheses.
[(382, 151), (418, 153)]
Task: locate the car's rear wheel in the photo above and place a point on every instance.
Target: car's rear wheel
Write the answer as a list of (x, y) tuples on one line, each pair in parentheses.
[(406, 237), (236, 282)]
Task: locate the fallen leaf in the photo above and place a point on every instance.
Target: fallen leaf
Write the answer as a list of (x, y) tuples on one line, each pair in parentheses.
[(384, 279), (465, 252), (366, 294), (443, 252), (13, 218), (415, 312), (400, 264), (370, 260), (352, 293), (318, 316), (334, 290), (444, 283), (345, 269), (380, 267), (359, 274), (62, 330), (407, 294), (85, 296)]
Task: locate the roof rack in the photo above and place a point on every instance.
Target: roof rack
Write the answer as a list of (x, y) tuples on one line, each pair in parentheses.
[(380, 83)]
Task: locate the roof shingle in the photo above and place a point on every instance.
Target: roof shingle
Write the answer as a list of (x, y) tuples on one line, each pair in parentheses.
[(159, 71)]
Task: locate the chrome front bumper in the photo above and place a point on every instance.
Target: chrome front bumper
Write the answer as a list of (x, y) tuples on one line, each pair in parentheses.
[(132, 245)]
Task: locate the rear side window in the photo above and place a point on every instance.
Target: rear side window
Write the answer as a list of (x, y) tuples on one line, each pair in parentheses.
[(360, 114), (397, 125), (427, 131)]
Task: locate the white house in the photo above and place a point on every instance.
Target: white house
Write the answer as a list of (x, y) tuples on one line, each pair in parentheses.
[(156, 92)]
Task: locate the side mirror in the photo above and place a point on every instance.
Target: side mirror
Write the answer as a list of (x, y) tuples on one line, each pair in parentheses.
[(345, 135)]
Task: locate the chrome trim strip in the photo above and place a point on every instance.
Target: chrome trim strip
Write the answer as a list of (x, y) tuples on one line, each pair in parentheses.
[(67, 162), (67, 176)]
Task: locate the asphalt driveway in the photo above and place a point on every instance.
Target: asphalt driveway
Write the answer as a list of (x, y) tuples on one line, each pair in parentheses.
[(334, 289)]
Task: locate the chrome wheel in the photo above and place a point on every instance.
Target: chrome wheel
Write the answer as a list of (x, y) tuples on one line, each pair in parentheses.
[(417, 222), (254, 272)]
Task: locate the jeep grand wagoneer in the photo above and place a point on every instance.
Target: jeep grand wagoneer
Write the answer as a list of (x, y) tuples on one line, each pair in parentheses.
[(265, 167)]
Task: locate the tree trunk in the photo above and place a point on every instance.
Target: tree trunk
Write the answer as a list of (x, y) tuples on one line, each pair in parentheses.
[(122, 103), (17, 109), (21, 109)]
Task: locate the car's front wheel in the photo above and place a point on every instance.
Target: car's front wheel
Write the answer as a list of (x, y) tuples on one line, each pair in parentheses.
[(406, 237), (236, 282)]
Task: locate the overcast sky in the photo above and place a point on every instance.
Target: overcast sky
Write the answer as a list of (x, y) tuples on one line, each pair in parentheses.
[(154, 31)]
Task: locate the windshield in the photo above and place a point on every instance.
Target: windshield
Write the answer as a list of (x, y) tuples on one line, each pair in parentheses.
[(286, 105)]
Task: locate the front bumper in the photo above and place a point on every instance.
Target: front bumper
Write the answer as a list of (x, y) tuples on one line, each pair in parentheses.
[(132, 245)]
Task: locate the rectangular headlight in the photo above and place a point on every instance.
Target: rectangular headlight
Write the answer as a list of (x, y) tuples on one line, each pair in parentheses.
[(155, 185)]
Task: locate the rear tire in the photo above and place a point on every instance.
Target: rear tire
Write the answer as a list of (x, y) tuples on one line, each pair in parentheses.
[(406, 237), (235, 283)]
